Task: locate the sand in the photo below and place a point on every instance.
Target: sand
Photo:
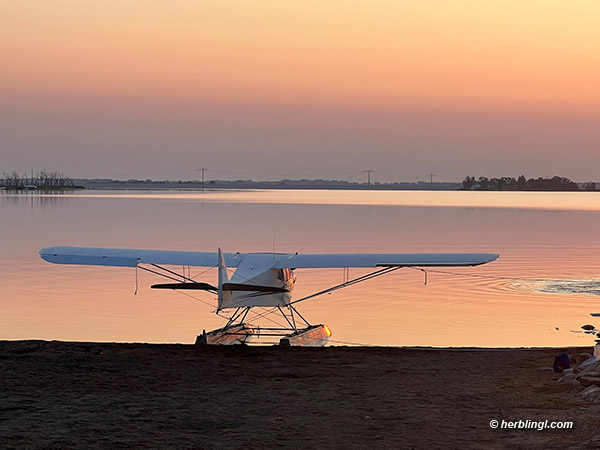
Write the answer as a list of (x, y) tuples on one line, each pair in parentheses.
[(101, 395)]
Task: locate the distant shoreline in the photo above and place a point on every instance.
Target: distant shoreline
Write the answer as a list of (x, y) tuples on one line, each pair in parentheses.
[(249, 184), (293, 185), (106, 184)]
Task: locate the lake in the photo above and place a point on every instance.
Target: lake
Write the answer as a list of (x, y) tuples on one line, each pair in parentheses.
[(538, 293)]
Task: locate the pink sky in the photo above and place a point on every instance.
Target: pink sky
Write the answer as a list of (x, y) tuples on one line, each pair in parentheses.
[(273, 89)]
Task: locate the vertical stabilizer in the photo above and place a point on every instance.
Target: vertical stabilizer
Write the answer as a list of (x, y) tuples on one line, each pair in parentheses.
[(223, 278)]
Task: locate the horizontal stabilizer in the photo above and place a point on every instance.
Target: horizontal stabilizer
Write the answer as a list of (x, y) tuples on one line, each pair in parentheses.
[(252, 288), (191, 286)]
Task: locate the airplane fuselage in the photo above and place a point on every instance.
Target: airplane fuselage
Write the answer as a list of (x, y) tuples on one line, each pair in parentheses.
[(252, 275)]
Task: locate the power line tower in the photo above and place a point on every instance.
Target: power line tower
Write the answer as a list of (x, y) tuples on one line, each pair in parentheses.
[(203, 169), (368, 176), (431, 175)]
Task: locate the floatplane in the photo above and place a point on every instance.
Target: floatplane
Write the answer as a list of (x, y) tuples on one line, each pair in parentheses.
[(260, 280)]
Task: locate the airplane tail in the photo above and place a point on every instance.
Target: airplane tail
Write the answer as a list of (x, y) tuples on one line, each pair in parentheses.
[(223, 278)]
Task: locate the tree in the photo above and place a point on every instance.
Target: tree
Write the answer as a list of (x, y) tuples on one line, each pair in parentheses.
[(468, 183)]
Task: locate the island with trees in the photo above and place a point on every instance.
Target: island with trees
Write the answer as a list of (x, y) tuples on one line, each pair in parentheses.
[(522, 184), (43, 180)]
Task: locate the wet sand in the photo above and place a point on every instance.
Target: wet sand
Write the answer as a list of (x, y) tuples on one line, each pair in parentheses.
[(101, 395)]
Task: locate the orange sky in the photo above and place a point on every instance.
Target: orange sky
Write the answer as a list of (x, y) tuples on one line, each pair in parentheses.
[(375, 51), (533, 55)]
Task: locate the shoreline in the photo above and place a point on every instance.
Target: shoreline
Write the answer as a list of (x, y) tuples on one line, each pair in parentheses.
[(122, 395), (251, 345)]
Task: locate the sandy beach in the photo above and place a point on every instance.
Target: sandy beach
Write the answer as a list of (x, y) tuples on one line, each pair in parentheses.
[(106, 395)]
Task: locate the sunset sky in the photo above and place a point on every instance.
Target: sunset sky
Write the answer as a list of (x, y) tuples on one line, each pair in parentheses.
[(280, 89)]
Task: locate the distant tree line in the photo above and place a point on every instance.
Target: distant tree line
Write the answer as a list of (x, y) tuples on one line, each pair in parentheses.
[(42, 180), (108, 183), (522, 184)]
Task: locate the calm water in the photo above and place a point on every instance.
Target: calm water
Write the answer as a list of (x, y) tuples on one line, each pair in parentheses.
[(543, 286)]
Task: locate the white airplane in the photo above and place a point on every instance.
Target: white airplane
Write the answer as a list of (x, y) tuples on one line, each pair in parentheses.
[(261, 280)]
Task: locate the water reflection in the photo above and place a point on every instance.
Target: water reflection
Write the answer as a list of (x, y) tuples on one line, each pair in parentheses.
[(466, 306), (32, 199), (570, 201)]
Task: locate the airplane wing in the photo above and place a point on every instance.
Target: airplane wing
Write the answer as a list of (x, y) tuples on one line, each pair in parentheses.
[(131, 258), (123, 257), (384, 260)]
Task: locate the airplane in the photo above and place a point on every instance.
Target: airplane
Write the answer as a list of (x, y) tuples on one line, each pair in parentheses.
[(260, 280)]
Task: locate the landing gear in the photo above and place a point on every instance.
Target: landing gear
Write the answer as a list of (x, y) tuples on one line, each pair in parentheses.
[(312, 336), (238, 332)]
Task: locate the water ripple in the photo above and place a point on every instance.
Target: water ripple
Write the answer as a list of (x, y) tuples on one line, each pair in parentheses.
[(582, 286)]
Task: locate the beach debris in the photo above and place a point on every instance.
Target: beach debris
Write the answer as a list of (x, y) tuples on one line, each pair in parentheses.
[(568, 378), (588, 381), (591, 393), (591, 329), (589, 365), (588, 373), (561, 362), (577, 358)]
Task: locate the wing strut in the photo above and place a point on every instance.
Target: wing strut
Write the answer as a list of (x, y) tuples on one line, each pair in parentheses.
[(186, 284), (366, 277), (158, 273), (174, 273)]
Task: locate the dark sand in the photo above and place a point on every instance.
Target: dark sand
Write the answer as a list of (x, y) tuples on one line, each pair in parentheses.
[(83, 395)]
